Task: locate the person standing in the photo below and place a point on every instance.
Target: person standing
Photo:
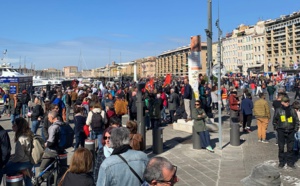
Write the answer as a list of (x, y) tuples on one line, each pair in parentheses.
[(234, 106), (286, 123), (246, 107), (5, 102), (297, 87), (271, 90), (5, 147), (200, 126), (187, 97), (25, 98), (262, 113), (173, 104), (36, 115), (14, 107)]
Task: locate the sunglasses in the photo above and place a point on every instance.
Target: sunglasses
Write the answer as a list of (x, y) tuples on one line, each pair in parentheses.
[(197, 104), (106, 137)]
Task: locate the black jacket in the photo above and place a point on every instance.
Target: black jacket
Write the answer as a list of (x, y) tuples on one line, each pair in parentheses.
[(37, 111), (280, 121), (5, 147)]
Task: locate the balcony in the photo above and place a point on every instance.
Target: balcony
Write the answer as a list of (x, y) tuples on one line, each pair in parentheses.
[(268, 42), (275, 47), (276, 55), (283, 53), (291, 46), (269, 55), (283, 47), (290, 30)]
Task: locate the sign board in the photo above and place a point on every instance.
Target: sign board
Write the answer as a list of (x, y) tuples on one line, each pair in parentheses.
[(215, 71), (12, 89)]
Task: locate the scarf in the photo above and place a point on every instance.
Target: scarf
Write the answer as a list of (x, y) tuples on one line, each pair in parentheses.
[(288, 111), (121, 149), (107, 151)]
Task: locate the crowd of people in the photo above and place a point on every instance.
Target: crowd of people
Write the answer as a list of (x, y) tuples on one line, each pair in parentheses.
[(98, 112)]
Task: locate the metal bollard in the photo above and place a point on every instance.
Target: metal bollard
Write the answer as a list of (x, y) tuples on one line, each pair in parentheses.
[(14, 180), (157, 140), (90, 145), (196, 140), (234, 133)]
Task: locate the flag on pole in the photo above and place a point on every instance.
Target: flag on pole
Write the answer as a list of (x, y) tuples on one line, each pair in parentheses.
[(150, 85), (168, 80)]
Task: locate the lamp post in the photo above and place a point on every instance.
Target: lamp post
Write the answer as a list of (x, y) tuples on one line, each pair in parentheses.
[(209, 33)]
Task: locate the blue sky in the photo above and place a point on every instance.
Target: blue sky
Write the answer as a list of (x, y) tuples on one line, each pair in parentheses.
[(52, 34)]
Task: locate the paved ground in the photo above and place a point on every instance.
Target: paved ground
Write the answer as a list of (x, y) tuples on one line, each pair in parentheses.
[(225, 167)]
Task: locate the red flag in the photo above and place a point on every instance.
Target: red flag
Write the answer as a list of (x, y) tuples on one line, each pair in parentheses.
[(150, 85), (167, 80)]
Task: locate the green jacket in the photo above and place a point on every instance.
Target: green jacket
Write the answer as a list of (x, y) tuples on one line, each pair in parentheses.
[(199, 122), (271, 89)]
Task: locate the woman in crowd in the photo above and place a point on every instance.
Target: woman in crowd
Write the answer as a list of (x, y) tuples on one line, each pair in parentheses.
[(20, 161), (36, 115), (136, 140), (78, 173), (79, 121), (200, 126), (103, 152)]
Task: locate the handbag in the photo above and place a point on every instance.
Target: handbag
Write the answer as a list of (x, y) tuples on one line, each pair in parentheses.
[(86, 130)]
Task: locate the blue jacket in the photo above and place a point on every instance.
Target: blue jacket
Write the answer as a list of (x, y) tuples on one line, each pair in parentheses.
[(187, 91), (115, 172), (247, 106)]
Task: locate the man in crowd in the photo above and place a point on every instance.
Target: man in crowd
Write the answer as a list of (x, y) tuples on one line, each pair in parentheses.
[(187, 97), (124, 166), (160, 171), (286, 123), (174, 102), (262, 113), (234, 106)]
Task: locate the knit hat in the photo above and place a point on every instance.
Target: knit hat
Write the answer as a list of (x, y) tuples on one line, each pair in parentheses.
[(285, 99), (263, 175)]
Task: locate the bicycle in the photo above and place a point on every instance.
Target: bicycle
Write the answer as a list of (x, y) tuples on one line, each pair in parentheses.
[(56, 170)]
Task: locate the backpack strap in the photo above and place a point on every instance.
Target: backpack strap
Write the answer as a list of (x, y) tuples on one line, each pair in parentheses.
[(140, 179)]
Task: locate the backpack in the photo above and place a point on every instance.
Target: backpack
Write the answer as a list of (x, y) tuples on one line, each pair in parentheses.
[(37, 149), (97, 122), (66, 136)]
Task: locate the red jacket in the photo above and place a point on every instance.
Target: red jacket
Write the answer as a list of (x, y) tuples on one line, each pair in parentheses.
[(233, 102), (163, 96)]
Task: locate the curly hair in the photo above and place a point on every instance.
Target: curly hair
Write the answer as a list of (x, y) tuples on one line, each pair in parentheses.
[(22, 128)]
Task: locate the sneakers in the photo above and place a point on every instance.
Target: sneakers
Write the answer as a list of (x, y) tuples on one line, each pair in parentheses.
[(259, 140), (264, 141), (292, 166), (209, 149), (281, 165)]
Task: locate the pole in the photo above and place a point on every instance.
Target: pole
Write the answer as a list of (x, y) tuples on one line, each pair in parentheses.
[(140, 113), (209, 39), (219, 81)]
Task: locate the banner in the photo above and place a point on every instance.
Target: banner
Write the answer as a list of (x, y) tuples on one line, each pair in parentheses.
[(194, 63)]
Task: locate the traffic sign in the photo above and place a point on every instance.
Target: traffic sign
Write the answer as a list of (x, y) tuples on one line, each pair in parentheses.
[(215, 70)]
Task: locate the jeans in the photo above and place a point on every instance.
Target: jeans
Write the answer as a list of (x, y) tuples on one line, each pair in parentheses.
[(68, 108), (271, 97), (35, 126), (97, 135), (79, 139), (4, 109), (13, 168), (147, 121), (297, 141), (13, 117), (163, 113), (24, 107), (205, 138)]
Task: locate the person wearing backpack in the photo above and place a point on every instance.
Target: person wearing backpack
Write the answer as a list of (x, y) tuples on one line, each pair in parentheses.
[(96, 120), (155, 106), (52, 144)]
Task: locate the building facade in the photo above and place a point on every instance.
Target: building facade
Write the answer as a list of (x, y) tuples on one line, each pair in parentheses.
[(70, 71), (175, 61)]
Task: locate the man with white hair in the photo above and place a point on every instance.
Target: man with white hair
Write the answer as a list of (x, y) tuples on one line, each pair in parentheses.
[(174, 103), (125, 166)]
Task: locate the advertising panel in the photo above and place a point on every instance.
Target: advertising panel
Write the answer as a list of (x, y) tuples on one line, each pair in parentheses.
[(194, 63)]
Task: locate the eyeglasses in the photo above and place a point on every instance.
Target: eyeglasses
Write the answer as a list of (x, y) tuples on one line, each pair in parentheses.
[(106, 137), (172, 180)]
